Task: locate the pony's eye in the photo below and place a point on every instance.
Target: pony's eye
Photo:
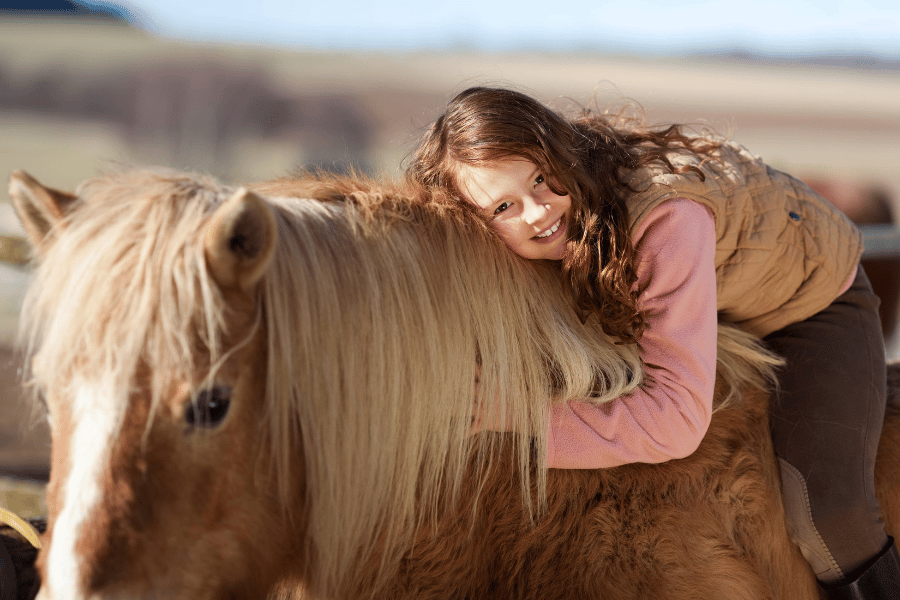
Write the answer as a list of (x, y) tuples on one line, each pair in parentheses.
[(209, 408)]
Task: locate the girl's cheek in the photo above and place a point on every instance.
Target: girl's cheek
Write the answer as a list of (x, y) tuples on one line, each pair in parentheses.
[(496, 226), (504, 231)]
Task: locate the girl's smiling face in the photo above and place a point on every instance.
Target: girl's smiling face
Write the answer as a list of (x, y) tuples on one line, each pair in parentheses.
[(514, 195)]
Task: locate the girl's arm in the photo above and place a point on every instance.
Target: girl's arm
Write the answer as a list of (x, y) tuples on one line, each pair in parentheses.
[(668, 415)]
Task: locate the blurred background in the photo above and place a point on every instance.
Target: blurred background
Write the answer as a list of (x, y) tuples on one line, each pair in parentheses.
[(248, 91)]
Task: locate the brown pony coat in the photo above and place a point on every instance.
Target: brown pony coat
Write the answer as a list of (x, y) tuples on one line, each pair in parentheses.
[(708, 526)]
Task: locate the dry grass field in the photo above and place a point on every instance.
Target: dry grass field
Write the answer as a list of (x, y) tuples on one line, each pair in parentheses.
[(74, 96)]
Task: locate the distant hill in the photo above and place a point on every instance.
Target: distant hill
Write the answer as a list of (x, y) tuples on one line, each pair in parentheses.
[(64, 8), (859, 62)]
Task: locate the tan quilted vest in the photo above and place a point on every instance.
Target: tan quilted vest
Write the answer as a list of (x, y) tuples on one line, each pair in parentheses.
[(782, 251)]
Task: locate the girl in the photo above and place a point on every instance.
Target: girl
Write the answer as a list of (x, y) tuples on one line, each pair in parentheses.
[(663, 233)]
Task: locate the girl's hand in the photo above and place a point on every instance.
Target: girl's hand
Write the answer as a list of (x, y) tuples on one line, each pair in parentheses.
[(489, 418), (498, 423)]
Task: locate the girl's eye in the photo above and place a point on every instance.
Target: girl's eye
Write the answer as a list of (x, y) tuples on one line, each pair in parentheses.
[(539, 180), (501, 208)]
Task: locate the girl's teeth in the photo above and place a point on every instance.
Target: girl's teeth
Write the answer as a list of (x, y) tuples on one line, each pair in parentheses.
[(550, 231)]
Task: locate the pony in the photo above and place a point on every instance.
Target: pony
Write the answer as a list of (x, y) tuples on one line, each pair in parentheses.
[(267, 392)]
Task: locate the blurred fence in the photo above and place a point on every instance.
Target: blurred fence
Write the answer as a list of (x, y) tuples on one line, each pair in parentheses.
[(881, 241)]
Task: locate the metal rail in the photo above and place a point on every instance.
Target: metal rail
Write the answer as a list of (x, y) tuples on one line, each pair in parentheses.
[(881, 241)]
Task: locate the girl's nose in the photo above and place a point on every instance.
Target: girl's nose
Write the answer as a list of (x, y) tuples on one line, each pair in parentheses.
[(533, 212)]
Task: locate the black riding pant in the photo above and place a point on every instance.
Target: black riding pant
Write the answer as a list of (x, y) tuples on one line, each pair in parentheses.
[(826, 423)]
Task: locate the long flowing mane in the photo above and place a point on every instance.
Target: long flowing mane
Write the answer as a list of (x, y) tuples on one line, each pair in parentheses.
[(380, 306), (416, 292)]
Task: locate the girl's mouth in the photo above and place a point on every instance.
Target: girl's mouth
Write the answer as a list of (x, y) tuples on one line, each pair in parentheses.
[(553, 229)]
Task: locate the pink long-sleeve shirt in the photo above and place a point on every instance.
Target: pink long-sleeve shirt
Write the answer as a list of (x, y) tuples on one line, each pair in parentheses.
[(667, 416)]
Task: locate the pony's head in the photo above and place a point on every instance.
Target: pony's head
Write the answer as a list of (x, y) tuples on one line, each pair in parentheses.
[(252, 387), (145, 342)]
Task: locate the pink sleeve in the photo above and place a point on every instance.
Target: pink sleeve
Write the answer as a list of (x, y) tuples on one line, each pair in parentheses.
[(669, 414)]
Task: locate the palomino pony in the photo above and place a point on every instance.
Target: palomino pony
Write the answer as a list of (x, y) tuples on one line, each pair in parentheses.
[(268, 393)]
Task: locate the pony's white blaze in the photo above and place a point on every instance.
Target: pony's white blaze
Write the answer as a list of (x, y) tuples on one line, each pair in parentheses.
[(96, 422)]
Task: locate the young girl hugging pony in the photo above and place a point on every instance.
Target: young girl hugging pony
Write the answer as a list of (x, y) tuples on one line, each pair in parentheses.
[(663, 233)]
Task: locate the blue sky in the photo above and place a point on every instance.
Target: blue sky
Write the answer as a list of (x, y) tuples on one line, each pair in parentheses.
[(776, 26)]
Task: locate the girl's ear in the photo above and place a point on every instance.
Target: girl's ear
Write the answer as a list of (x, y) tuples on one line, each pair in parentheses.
[(240, 241), (40, 209)]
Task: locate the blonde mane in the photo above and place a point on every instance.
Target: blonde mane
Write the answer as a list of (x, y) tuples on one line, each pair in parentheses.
[(415, 293), (378, 307)]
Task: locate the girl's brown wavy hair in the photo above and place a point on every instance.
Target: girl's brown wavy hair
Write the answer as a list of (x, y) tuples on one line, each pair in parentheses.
[(588, 156)]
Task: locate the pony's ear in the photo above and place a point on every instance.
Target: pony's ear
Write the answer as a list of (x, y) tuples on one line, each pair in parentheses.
[(240, 240), (40, 209)]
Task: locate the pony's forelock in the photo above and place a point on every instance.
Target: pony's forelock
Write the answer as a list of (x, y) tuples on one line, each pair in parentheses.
[(125, 285)]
